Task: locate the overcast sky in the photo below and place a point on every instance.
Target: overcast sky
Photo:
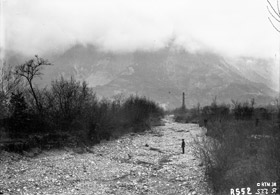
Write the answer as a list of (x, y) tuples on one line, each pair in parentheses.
[(236, 27)]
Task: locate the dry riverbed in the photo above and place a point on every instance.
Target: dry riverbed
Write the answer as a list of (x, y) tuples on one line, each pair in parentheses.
[(147, 163)]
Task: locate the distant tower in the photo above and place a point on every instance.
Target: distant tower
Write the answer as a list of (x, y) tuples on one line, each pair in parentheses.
[(183, 101)]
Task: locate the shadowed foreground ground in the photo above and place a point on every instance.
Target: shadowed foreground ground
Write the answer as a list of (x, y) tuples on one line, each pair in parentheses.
[(150, 163)]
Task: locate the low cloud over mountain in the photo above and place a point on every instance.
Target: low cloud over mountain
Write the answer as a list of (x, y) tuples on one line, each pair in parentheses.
[(165, 73)]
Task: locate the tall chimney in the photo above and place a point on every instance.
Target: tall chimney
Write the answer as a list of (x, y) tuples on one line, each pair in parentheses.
[(183, 101)]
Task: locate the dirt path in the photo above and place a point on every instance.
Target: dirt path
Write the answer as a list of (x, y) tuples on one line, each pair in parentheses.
[(150, 163)]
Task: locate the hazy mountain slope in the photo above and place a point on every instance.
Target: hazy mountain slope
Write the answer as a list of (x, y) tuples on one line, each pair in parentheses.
[(84, 62), (257, 70), (164, 74), (90, 64)]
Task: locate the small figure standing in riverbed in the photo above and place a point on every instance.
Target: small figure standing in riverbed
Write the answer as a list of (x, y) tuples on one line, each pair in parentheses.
[(183, 146)]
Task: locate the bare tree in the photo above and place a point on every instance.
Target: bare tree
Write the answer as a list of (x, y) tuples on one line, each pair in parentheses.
[(9, 82), (274, 11), (30, 70)]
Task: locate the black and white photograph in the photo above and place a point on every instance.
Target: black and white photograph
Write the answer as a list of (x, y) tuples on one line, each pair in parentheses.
[(139, 97)]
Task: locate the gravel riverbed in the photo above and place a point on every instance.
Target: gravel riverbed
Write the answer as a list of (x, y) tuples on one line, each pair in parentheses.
[(148, 163)]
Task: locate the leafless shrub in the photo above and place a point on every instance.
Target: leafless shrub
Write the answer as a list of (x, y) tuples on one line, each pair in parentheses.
[(235, 160)]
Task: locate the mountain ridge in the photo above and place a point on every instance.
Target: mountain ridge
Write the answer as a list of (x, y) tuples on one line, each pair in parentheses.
[(164, 74)]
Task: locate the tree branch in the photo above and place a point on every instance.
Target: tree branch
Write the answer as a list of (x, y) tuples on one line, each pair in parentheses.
[(274, 25), (278, 20), (278, 7), (278, 14)]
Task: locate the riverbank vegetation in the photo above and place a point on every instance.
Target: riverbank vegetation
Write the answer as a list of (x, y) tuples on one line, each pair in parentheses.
[(66, 113), (241, 146)]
